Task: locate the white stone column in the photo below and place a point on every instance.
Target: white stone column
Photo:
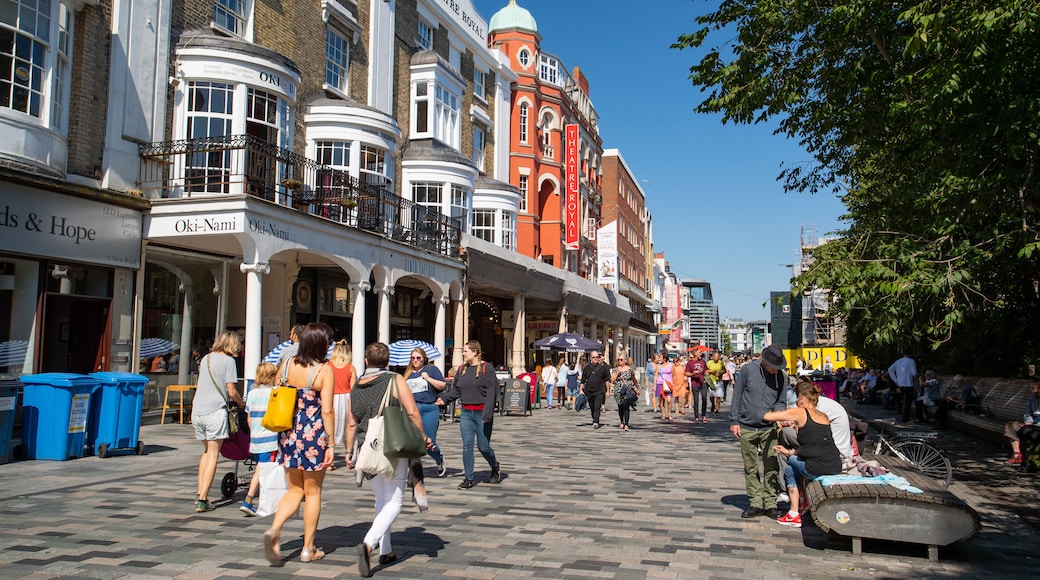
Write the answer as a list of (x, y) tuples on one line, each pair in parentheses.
[(519, 347), (594, 335), (581, 326), (384, 292), (358, 322), (184, 367), (254, 303), (459, 331), (440, 305)]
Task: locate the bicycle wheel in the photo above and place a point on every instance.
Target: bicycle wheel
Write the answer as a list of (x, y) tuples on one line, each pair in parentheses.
[(924, 458)]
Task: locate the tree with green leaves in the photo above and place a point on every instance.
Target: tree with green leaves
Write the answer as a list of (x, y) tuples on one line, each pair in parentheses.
[(924, 116)]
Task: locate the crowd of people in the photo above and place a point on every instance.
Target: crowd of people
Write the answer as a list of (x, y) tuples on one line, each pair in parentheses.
[(783, 429)]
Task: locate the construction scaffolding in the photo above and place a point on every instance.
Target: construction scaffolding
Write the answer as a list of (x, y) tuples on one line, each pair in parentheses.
[(819, 327)]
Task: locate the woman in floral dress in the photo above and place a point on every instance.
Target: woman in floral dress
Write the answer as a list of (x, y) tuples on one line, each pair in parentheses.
[(307, 448)]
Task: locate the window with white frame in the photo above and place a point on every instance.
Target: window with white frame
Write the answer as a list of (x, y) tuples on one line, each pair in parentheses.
[(333, 154), (484, 224), (29, 31), (525, 112), (424, 36), (509, 230), (479, 78), (61, 69), (230, 15), (549, 71), (421, 106), (479, 139), (337, 59), (428, 195), (210, 112), (459, 203), (374, 166), (524, 187), (446, 117), (524, 57)]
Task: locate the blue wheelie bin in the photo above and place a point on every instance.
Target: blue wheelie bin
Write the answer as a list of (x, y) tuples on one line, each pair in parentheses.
[(115, 414), (54, 414), (9, 389)]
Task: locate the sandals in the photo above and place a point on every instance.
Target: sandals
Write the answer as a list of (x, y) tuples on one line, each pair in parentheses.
[(271, 552), (311, 555)]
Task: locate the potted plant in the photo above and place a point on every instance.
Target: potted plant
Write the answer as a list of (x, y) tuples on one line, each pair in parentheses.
[(347, 202), (291, 183)]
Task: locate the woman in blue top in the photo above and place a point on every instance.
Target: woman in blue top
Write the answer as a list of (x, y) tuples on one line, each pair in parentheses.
[(425, 381)]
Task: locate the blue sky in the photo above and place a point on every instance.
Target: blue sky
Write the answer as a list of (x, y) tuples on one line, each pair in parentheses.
[(719, 213)]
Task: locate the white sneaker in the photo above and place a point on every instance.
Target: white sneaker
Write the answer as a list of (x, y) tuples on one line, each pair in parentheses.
[(783, 498)]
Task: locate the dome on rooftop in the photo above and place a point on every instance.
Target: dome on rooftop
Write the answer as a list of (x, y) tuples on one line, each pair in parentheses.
[(511, 17)]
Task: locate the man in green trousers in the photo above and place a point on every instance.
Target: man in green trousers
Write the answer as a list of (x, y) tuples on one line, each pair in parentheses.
[(761, 386)]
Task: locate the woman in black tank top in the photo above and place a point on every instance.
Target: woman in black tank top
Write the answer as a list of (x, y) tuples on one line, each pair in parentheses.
[(816, 454)]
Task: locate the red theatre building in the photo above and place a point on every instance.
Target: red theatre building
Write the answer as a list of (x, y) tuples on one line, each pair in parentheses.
[(555, 149)]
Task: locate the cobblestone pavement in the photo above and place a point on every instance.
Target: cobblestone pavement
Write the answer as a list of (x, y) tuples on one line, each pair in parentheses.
[(660, 501)]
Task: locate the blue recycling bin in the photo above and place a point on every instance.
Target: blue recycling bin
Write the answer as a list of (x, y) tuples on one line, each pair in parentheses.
[(54, 414), (114, 424), (10, 387)]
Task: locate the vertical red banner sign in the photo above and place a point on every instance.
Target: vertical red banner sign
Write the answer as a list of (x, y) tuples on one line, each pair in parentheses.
[(572, 197)]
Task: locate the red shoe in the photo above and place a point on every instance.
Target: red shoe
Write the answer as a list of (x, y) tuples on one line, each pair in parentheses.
[(803, 505), (1015, 459), (787, 519)]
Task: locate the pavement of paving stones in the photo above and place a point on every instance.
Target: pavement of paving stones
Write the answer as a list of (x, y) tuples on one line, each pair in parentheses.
[(660, 501)]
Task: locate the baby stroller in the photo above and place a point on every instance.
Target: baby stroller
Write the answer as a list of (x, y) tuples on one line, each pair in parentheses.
[(236, 448)]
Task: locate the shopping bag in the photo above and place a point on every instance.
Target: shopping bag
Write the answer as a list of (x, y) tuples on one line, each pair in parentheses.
[(280, 409), (273, 486), (401, 438), (581, 402), (371, 458)]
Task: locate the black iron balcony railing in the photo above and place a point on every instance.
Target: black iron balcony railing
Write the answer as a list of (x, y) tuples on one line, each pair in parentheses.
[(238, 164)]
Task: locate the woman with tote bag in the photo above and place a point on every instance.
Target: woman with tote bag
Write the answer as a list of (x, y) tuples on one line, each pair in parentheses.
[(365, 402)]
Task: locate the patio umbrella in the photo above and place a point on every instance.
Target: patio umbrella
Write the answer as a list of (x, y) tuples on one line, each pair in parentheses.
[(569, 342), (152, 347), (13, 352), (272, 357), (401, 351)]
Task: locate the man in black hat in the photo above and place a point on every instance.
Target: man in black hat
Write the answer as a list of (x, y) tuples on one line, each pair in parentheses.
[(761, 387)]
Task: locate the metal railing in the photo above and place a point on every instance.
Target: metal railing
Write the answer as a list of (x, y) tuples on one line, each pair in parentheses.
[(242, 164)]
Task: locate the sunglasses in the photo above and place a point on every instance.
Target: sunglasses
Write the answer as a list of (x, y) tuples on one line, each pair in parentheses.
[(416, 358)]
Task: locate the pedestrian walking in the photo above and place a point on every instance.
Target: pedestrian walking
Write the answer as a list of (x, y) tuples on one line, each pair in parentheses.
[(476, 388), (218, 384), (365, 402), (426, 382), (625, 390), (761, 387), (595, 378), (307, 449), (695, 371)]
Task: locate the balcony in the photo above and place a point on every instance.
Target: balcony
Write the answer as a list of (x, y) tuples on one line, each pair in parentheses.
[(241, 164)]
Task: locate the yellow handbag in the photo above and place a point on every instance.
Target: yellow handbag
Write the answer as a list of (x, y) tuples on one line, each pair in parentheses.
[(281, 407)]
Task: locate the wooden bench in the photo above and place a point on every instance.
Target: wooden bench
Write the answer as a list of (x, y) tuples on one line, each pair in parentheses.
[(934, 517), (1002, 400)]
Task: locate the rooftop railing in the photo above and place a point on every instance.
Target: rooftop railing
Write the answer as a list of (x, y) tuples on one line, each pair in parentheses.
[(242, 164)]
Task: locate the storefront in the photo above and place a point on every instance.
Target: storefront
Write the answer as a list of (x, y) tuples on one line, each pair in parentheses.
[(67, 267)]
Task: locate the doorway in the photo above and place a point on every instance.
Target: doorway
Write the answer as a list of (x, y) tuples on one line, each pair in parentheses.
[(75, 336)]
